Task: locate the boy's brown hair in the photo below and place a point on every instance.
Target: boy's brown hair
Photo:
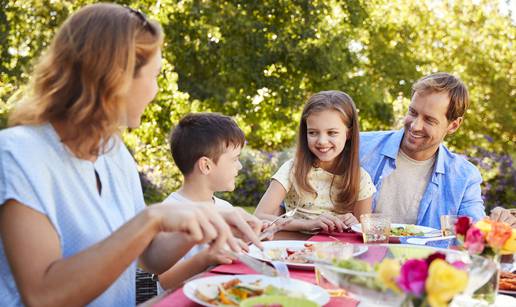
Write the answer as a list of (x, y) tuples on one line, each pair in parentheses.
[(200, 135), (444, 82)]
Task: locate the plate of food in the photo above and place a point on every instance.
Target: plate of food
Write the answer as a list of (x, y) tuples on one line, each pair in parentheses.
[(278, 301), (298, 254), (507, 283), (406, 230), (230, 290)]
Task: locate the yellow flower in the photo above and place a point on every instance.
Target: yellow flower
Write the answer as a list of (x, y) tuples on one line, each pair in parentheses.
[(443, 282), (484, 226), (388, 272), (509, 246)]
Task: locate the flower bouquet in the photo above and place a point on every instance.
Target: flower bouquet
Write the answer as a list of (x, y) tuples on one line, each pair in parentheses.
[(486, 238), (407, 275), (489, 239)]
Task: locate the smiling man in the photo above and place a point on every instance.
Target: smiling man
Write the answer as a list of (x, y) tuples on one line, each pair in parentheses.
[(417, 178)]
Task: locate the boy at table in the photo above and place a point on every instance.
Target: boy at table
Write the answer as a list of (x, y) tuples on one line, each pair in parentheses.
[(417, 177), (206, 149)]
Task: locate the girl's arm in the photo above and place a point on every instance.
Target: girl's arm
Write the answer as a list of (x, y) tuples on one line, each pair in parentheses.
[(362, 207), (44, 277), (269, 206)]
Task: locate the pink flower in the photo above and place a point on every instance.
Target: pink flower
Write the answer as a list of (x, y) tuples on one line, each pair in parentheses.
[(413, 275), (474, 240), (459, 265), (462, 225)]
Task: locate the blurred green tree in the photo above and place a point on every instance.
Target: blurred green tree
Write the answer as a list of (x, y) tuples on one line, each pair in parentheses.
[(259, 61)]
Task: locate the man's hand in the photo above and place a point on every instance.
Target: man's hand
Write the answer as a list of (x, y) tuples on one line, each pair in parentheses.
[(503, 215)]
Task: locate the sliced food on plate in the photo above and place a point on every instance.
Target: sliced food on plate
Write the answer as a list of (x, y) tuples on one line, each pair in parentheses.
[(227, 290), (507, 281), (406, 230), (234, 291), (291, 254), (300, 254)]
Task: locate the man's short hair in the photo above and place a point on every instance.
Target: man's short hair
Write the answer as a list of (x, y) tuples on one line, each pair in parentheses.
[(444, 82), (203, 135)]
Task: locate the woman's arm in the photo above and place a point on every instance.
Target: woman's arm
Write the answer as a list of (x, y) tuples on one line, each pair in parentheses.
[(46, 279), (167, 248)]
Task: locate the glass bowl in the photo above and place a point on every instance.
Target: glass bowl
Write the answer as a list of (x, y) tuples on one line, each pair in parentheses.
[(364, 286)]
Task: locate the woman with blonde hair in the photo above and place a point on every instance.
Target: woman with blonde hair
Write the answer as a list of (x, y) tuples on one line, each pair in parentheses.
[(72, 214)]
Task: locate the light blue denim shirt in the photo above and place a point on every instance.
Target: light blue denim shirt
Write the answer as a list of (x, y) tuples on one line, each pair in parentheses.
[(38, 171), (454, 187)]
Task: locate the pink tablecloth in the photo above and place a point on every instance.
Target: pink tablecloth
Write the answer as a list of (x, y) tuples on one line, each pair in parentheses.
[(177, 298)]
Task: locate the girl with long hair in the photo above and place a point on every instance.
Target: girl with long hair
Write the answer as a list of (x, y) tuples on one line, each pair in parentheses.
[(72, 214), (324, 181)]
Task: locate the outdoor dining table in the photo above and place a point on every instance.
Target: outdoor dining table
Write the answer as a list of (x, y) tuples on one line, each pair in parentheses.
[(177, 297)]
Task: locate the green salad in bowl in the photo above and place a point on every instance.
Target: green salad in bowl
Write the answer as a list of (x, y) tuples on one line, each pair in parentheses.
[(390, 275)]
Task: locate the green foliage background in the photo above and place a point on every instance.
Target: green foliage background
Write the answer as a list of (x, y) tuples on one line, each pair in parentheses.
[(259, 60)]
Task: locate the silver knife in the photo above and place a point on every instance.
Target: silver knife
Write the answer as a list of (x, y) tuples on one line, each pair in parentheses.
[(256, 265)]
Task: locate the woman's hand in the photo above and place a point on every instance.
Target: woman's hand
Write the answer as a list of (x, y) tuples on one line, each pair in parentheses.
[(199, 222), (243, 224)]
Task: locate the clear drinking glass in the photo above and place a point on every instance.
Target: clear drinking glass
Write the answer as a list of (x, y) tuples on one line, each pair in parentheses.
[(376, 227), (448, 224)]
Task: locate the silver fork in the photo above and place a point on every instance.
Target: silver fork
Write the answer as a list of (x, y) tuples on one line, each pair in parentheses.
[(272, 229)]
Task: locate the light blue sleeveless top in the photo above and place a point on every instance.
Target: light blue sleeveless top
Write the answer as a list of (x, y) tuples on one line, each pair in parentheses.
[(38, 171)]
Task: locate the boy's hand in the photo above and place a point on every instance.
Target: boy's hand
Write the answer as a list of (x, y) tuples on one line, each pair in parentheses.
[(216, 254)]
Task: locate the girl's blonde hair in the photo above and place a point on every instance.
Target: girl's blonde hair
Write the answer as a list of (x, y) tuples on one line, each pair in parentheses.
[(82, 77), (347, 166)]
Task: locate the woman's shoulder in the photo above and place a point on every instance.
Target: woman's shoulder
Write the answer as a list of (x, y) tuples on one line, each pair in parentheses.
[(26, 138)]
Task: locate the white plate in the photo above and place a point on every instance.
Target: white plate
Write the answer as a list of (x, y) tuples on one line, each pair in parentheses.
[(308, 290), (508, 292), (255, 252), (464, 301), (427, 231)]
